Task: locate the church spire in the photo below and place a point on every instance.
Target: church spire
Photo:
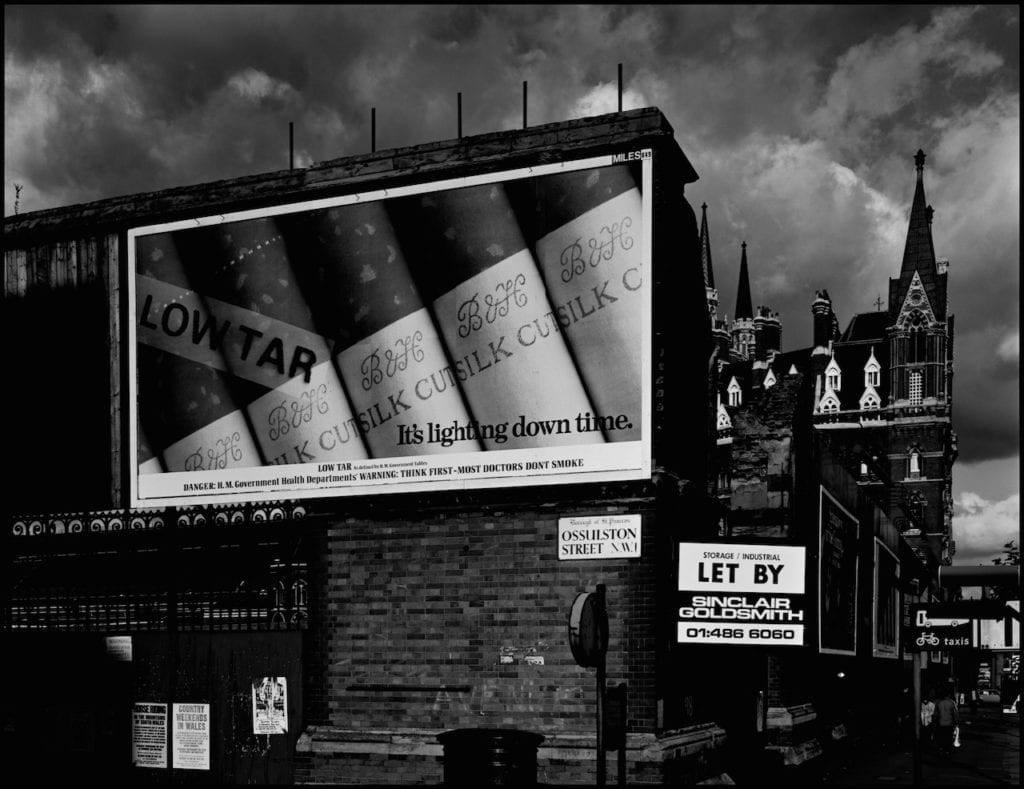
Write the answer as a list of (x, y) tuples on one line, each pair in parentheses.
[(744, 304), (705, 248), (919, 253)]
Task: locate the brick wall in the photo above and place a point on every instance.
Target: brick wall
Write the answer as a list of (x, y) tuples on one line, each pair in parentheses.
[(417, 611), (421, 610)]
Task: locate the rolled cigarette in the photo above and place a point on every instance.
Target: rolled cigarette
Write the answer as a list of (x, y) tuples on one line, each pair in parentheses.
[(502, 336), (296, 403), (586, 229), (387, 349), (186, 406)]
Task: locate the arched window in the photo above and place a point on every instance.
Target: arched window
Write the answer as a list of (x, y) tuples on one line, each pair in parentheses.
[(870, 401), (735, 393), (872, 371), (833, 376), (829, 403), (917, 340), (914, 464)]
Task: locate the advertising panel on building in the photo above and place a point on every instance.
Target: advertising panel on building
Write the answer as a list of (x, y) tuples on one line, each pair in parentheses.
[(837, 577), (730, 593), (483, 331)]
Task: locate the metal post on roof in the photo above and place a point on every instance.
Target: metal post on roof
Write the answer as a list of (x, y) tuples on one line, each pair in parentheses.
[(620, 87)]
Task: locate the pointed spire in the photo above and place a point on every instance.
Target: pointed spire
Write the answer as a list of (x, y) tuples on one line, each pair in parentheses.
[(744, 308), (919, 253), (705, 248)]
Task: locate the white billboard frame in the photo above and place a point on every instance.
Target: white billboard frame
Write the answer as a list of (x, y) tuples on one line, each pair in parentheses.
[(618, 461)]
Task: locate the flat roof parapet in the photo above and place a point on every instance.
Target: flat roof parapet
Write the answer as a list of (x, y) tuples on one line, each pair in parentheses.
[(409, 164)]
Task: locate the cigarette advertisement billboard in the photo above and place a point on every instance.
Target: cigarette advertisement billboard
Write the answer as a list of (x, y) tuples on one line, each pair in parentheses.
[(483, 331)]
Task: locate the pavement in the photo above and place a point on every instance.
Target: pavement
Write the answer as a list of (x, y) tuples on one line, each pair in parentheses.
[(989, 755)]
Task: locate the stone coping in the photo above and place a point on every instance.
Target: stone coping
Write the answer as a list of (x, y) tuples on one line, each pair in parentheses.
[(329, 740)]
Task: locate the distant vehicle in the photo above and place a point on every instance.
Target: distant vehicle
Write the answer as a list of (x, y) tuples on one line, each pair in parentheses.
[(989, 696)]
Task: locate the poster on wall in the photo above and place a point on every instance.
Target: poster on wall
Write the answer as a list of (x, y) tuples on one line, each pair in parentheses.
[(887, 600), (484, 331), (119, 648), (191, 736), (733, 593), (838, 565), (149, 734), (270, 705)]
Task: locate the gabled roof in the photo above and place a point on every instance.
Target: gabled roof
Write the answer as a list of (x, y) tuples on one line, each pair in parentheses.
[(748, 377), (866, 327)]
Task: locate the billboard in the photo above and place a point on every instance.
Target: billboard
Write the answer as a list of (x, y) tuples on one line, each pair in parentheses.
[(483, 331), (732, 593), (838, 560)]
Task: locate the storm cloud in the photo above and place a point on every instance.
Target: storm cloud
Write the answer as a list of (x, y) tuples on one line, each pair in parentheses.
[(802, 122)]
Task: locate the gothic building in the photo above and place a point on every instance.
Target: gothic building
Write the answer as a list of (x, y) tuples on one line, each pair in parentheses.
[(886, 390), (882, 388), (845, 447)]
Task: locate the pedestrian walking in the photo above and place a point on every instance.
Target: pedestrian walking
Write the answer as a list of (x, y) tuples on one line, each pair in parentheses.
[(946, 717), (927, 712)]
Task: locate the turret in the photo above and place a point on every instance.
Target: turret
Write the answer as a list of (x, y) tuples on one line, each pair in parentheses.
[(825, 323)]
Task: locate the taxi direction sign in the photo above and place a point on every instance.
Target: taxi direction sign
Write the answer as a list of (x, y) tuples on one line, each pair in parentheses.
[(936, 633)]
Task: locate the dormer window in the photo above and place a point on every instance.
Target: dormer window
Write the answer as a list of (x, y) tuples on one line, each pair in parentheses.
[(833, 376), (735, 392), (872, 371), (769, 379)]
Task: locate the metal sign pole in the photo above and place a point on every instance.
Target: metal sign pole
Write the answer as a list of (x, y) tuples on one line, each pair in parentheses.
[(918, 660), (600, 698)]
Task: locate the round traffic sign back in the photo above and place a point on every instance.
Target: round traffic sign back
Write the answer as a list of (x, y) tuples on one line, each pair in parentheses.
[(588, 629)]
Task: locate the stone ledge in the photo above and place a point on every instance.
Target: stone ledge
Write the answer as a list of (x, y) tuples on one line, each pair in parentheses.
[(789, 718), (644, 747), (794, 755)]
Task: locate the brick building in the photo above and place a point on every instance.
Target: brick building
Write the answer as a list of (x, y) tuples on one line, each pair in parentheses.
[(389, 617), (395, 614)]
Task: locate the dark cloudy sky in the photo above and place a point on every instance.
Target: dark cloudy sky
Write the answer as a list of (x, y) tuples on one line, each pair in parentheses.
[(801, 121)]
